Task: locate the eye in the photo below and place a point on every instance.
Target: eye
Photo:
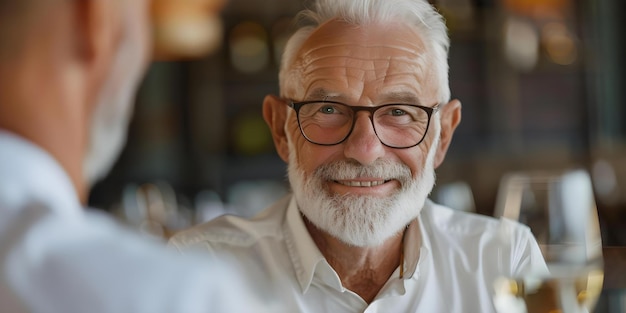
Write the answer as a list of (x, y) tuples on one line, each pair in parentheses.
[(328, 109), (397, 112)]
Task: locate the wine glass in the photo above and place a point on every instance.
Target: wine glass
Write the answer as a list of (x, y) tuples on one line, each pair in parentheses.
[(560, 210)]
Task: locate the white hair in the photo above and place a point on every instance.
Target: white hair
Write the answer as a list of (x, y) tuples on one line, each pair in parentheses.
[(418, 14), (114, 103)]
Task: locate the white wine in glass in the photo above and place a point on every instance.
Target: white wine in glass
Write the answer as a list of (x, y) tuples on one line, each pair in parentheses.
[(560, 210)]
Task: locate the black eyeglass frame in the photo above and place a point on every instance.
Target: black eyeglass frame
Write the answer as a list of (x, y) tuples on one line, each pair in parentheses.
[(430, 111)]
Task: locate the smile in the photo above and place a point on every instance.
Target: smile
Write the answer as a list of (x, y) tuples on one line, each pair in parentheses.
[(357, 183)]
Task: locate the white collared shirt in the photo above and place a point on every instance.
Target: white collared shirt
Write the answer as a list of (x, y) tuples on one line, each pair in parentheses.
[(451, 260), (57, 258)]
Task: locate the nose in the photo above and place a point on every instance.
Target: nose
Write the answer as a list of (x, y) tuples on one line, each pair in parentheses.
[(363, 144)]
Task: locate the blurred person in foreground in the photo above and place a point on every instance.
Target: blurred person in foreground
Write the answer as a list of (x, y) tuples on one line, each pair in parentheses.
[(363, 119), (68, 73)]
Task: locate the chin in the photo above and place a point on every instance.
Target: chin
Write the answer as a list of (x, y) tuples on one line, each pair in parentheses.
[(361, 220)]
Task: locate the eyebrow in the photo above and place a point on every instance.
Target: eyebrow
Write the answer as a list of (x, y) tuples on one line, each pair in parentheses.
[(391, 97), (320, 94), (401, 97)]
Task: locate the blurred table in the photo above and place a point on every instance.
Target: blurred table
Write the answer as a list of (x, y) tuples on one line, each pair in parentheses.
[(613, 298), (614, 268)]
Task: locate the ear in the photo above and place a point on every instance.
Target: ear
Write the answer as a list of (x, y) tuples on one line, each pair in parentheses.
[(450, 119), (275, 115), (98, 30)]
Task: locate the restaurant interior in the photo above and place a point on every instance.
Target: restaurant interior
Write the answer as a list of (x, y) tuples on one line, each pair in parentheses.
[(541, 84)]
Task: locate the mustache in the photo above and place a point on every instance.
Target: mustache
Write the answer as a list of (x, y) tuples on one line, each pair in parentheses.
[(350, 169)]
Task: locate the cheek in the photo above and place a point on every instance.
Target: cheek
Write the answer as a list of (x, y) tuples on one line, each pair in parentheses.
[(309, 156), (297, 143), (415, 158)]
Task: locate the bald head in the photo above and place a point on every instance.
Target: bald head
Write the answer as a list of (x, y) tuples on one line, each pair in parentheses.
[(68, 67), (18, 23), (10, 8), (12, 15), (12, 12)]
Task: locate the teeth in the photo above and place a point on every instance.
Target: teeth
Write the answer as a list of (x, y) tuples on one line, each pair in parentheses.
[(354, 183)]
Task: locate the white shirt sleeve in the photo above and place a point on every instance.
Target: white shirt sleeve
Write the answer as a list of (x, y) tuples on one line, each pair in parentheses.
[(55, 257), (527, 257), (54, 263)]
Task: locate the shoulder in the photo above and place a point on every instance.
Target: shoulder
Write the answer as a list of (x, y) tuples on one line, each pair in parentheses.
[(441, 219), (234, 230), (497, 245)]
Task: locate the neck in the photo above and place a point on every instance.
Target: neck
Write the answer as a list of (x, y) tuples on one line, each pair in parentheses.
[(63, 147), (363, 270), (47, 118)]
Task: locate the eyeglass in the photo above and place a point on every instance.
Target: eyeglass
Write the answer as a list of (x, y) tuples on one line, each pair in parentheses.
[(330, 123)]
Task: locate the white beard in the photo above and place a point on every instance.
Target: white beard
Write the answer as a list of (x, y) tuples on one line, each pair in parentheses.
[(114, 107), (362, 221)]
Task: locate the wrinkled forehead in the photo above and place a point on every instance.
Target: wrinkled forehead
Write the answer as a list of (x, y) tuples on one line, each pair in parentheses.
[(381, 56), (372, 33)]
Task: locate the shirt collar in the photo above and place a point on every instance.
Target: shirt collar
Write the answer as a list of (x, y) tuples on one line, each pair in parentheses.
[(305, 256), (416, 243), (30, 175)]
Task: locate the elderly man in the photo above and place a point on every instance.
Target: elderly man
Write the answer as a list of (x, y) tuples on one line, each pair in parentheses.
[(363, 119), (68, 73)]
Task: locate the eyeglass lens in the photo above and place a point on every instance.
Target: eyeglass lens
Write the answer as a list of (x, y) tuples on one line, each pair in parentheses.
[(396, 125)]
